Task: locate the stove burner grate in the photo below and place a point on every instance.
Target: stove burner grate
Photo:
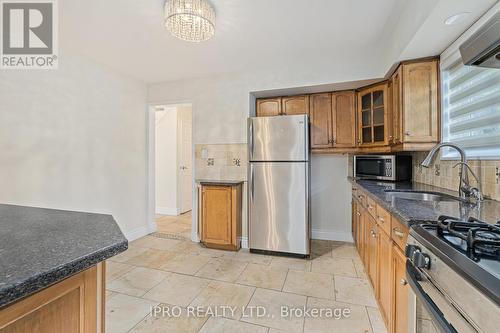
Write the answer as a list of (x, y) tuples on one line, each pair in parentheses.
[(480, 237)]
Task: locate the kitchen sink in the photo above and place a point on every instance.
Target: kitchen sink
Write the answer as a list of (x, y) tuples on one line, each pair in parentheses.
[(421, 196)]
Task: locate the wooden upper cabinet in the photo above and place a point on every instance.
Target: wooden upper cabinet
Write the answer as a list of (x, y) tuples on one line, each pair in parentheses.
[(373, 109), (344, 119), (320, 114), (295, 105), (397, 106), (420, 102), (399, 292), (266, 107)]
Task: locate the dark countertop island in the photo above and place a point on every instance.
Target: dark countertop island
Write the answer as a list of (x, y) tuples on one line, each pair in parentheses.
[(413, 211), (40, 247)]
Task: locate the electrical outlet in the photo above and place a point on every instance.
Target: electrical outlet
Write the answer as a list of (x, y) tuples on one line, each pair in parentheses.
[(210, 161), (237, 161), (497, 174)]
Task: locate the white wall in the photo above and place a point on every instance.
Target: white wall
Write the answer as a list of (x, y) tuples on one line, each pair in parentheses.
[(166, 161), (75, 138), (330, 198)]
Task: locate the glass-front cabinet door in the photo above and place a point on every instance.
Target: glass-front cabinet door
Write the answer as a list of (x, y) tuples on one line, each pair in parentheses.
[(372, 115)]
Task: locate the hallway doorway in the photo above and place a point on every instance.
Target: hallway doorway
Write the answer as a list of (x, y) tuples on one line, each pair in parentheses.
[(173, 170)]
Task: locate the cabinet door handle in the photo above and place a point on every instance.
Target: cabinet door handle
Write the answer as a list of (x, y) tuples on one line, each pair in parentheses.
[(398, 233), (407, 133), (381, 219), (403, 282), (370, 206), (358, 213)]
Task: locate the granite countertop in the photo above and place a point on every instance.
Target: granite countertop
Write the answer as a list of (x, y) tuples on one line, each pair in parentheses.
[(218, 182), (414, 211), (40, 247)]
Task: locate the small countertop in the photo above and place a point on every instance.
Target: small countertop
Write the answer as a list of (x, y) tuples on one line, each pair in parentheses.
[(219, 182), (40, 247), (415, 211)]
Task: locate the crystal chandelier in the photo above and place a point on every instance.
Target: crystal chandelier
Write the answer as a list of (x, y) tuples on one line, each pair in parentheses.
[(190, 20)]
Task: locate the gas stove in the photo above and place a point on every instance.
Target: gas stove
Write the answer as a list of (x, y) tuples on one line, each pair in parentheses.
[(453, 266)]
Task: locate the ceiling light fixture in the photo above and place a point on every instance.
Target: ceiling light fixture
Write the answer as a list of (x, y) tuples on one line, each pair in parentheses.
[(190, 20), (456, 19)]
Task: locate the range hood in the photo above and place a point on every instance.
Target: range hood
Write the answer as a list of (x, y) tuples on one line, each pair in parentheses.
[(483, 47)]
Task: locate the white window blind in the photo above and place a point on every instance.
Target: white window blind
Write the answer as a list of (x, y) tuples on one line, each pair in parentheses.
[(471, 109)]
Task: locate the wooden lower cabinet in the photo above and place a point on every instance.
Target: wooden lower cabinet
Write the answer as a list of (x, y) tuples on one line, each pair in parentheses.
[(384, 275), (220, 216), (74, 305), (399, 292), (380, 242)]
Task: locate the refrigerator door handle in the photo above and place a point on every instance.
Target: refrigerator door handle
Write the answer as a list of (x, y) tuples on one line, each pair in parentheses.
[(252, 177), (250, 134)]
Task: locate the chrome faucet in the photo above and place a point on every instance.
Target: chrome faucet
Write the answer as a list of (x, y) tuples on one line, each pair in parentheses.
[(464, 189)]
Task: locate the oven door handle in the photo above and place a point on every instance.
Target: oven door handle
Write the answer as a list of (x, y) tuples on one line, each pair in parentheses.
[(432, 309)]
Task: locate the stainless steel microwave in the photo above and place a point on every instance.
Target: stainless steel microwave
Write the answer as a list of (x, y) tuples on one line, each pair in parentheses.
[(383, 167)]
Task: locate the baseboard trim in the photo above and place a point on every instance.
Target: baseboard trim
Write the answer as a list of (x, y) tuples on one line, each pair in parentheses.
[(139, 232), (244, 242), (168, 211), (338, 236)]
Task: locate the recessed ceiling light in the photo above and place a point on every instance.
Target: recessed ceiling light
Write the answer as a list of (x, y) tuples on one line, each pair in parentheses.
[(456, 18)]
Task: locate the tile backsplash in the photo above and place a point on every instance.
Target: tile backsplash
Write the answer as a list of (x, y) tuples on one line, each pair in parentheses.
[(442, 174), (221, 161)]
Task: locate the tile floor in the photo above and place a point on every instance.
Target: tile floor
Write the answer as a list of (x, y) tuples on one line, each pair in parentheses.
[(180, 274), (175, 226)]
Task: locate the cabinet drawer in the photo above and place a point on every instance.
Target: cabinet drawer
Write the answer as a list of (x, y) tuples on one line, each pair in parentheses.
[(399, 233), (371, 205), (384, 220)]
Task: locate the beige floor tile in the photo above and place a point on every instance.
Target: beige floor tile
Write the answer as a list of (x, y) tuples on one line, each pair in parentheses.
[(131, 252), (123, 312), (245, 255), (309, 284), (110, 294), (115, 270), (177, 289), (151, 258), (353, 290), (360, 271), (378, 325), (340, 266), (137, 282), (185, 263), (163, 323), (345, 251), (272, 301), (321, 248), (188, 247), (156, 243), (263, 276), (222, 269), (223, 294), (292, 263), (356, 322), (224, 325)]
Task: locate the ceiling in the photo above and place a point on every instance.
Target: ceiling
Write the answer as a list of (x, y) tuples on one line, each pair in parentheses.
[(251, 35)]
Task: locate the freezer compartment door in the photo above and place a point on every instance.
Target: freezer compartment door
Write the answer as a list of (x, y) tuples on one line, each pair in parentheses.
[(280, 138), (279, 207)]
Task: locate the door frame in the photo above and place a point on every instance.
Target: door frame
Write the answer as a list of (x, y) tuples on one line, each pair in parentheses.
[(150, 170)]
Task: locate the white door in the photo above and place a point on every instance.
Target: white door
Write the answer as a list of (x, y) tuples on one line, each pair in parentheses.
[(185, 159)]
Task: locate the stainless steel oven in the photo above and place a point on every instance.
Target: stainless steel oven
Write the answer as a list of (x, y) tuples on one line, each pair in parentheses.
[(383, 167), (441, 300)]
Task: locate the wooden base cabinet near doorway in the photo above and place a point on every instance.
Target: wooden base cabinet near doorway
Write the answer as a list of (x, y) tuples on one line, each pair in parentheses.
[(220, 214)]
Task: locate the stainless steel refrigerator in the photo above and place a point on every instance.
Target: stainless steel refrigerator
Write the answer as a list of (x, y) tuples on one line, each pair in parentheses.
[(279, 184)]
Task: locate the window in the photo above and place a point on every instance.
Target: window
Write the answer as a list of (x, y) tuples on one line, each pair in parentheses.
[(471, 109)]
